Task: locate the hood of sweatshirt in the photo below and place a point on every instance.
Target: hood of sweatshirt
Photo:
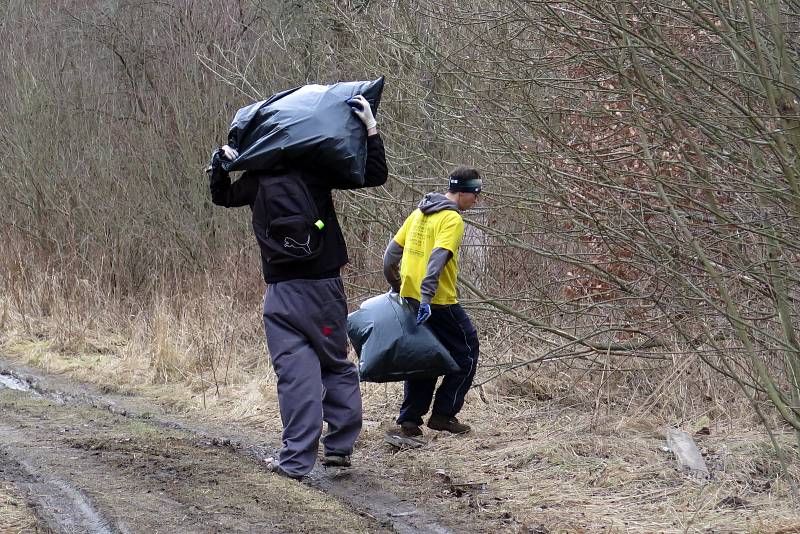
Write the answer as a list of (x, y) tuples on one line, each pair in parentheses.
[(433, 202)]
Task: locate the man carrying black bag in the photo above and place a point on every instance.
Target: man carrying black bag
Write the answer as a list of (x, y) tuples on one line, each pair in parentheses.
[(305, 308), (421, 264)]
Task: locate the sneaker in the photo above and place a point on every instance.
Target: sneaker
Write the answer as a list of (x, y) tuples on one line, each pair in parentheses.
[(447, 424), (336, 460), (410, 429), (274, 467)]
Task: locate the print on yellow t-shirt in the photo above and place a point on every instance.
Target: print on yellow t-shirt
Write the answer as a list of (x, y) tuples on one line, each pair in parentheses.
[(418, 236)]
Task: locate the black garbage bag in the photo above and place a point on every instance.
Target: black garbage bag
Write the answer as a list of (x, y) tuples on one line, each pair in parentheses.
[(311, 124), (390, 345)]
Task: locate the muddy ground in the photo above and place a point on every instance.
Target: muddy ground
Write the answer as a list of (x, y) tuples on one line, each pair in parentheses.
[(74, 459), (129, 455)]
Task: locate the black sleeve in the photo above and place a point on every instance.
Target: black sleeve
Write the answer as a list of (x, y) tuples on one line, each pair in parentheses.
[(242, 192), (376, 171)]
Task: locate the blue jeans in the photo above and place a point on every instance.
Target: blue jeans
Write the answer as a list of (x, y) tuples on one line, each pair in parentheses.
[(452, 327)]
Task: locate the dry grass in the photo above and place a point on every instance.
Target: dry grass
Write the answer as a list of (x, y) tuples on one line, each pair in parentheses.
[(558, 450), (559, 468), (15, 515)]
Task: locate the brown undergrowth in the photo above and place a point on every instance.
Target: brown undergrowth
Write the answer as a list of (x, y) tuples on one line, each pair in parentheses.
[(15, 514), (555, 448)]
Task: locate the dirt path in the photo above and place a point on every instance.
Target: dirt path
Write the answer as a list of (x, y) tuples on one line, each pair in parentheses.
[(83, 461)]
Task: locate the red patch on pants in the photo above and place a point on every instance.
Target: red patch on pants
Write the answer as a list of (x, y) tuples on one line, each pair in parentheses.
[(327, 330)]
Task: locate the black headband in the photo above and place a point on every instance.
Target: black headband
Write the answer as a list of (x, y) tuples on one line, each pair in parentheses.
[(465, 185)]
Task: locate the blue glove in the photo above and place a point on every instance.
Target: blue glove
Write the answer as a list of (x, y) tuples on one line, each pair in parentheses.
[(424, 313)]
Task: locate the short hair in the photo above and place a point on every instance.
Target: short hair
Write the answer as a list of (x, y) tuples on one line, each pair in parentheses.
[(465, 173), (466, 179)]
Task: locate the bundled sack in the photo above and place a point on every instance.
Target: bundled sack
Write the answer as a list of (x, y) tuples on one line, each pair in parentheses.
[(390, 345), (312, 123)]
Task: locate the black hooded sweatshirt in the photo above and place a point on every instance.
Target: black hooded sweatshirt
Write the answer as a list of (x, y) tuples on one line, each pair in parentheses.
[(334, 251)]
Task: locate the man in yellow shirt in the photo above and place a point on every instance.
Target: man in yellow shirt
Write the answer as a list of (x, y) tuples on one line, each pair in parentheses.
[(421, 263)]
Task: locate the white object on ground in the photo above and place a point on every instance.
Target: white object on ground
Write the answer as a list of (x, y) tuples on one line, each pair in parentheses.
[(687, 454)]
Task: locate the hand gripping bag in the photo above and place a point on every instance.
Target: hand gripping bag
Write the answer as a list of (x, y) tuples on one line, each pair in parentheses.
[(312, 124), (390, 345)]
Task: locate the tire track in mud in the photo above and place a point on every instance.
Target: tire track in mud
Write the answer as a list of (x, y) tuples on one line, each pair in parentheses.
[(62, 507), (122, 431)]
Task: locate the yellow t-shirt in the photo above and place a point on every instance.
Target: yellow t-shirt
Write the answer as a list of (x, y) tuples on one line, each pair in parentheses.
[(418, 236)]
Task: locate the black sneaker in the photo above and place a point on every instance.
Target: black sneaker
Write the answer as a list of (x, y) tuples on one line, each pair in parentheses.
[(336, 460), (410, 429), (447, 424)]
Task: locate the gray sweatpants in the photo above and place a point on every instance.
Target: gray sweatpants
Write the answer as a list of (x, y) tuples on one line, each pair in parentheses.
[(306, 326)]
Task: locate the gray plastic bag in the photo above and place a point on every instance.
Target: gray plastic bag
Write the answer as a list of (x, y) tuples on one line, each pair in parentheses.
[(311, 124), (390, 345)]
